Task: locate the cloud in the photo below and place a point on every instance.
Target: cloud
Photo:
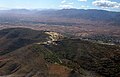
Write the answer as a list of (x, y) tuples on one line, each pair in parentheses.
[(83, 0), (71, 3), (84, 7), (106, 4), (66, 5), (63, 1)]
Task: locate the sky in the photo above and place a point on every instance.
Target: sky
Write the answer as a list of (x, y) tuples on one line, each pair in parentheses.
[(112, 5)]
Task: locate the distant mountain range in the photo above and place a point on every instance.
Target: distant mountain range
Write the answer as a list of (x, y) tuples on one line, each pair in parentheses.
[(79, 14), (92, 14)]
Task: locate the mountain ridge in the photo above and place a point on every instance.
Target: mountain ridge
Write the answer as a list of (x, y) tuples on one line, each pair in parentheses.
[(46, 16), (73, 57)]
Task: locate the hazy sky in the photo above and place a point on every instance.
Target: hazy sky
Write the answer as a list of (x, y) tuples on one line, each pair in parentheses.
[(58, 4)]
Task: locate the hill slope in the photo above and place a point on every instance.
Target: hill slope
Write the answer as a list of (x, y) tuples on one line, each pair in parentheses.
[(56, 58), (103, 59), (14, 38)]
